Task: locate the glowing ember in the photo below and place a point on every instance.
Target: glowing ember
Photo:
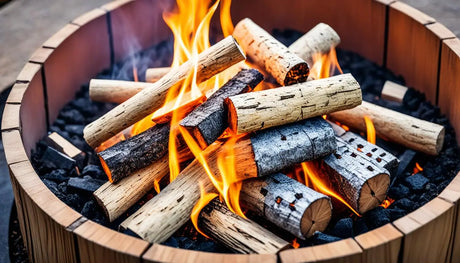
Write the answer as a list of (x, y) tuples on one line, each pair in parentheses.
[(417, 169), (387, 202), (295, 244), (370, 129), (205, 198)]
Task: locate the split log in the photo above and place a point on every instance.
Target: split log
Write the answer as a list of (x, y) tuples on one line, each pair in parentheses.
[(264, 109), (416, 134), (288, 204), (264, 153), (319, 40), (380, 156), (210, 62), (126, 157), (114, 91), (393, 91), (270, 54), (56, 141), (155, 74), (209, 120), (239, 234), (115, 199), (361, 182)]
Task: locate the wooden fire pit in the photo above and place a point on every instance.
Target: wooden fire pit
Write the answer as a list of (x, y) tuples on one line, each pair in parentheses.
[(387, 32)]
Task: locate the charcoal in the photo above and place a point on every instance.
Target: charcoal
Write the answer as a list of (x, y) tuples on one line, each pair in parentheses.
[(84, 106), (63, 187), (171, 242), (58, 175), (94, 171), (72, 116), (398, 191), (343, 228), (406, 161), (54, 128), (413, 98), (360, 226), (73, 200), (75, 129), (404, 204), (54, 188), (89, 209), (320, 238), (87, 184), (396, 213), (377, 218), (441, 186), (416, 182), (58, 159), (60, 123)]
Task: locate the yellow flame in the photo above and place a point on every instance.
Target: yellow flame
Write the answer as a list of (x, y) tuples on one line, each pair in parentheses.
[(370, 129), (205, 198), (324, 65)]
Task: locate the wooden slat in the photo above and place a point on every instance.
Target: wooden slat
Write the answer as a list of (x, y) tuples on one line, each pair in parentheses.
[(14, 149), (97, 243), (414, 41), (44, 217), (452, 194), (367, 17), (449, 82), (16, 93), (160, 253), (40, 55), (427, 232), (55, 40), (10, 119), (346, 250), (89, 16), (28, 72), (381, 245)]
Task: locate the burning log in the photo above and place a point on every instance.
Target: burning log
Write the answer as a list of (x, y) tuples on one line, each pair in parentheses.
[(263, 154), (187, 105), (270, 54), (416, 134), (319, 40), (264, 109), (288, 204), (155, 74), (114, 91), (209, 120), (361, 182), (210, 62), (126, 157), (239, 234)]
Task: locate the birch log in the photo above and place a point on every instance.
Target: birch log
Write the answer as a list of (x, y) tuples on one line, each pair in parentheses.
[(209, 120), (288, 204), (264, 109), (270, 54), (155, 74), (239, 234), (264, 152), (114, 91), (416, 134), (361, 182), (319, 40), (210, 62)]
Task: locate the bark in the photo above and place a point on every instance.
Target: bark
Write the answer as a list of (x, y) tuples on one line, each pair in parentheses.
[(114, 91), (264, 109), (210, 62), (155, 74), (416, 134), (209, 120), (288, 204), (270, 54)]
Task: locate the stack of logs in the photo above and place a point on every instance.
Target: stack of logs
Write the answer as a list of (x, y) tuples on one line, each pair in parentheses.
[(282, 128)]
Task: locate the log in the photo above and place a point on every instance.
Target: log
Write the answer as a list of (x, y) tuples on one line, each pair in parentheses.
[(288, 204), (160, 217), (319, 40), (270, 54), (361, 182), (116, 198), (239, 234), (393, 91), (264, 109), (114, 91), (126, 157), (210, 62), (155, 74), (416, 134), (209, 120)]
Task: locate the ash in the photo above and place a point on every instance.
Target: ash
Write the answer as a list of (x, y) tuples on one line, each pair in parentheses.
[(410, 191)]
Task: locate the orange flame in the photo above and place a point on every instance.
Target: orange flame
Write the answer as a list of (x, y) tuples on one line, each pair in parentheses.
[(205, 198), (135, 75), (111, 142), (370, 129), (417, 169), (387, 202), (324, 65), (295, 244)]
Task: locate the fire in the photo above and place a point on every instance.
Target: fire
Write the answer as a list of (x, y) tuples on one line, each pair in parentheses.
[(370, 129), (295, 244), (205, 198), (135, 75), (417, 169), (325, 65), (111, 142), (387, 202), (316, 180)]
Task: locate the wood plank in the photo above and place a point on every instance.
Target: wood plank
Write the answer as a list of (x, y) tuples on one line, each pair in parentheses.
[(452, 195), (160, 253), (40, 55), (343, 251), (432, 222), (16, 93), (367, 18), (89, 16), (55, 40), (96, 244), (10, 119), (381, 245), (449, 82), (28, 72), (14, 149)]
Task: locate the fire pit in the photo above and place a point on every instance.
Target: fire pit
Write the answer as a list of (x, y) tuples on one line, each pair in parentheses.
[(428, 59)]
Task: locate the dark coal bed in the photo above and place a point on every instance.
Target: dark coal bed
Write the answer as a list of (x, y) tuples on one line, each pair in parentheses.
[(410, 191)]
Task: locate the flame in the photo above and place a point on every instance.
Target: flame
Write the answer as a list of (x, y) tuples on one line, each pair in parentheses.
[(370, 129), (111, 142), (156, 185), (205, 198), (325, 65), (314, 179), (295, 244), (417, 169), (135, 75), (387, 202)]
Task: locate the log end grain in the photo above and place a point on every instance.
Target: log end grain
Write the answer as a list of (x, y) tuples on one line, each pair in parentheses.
[(297, 74), (316, 217), (373, 192)]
